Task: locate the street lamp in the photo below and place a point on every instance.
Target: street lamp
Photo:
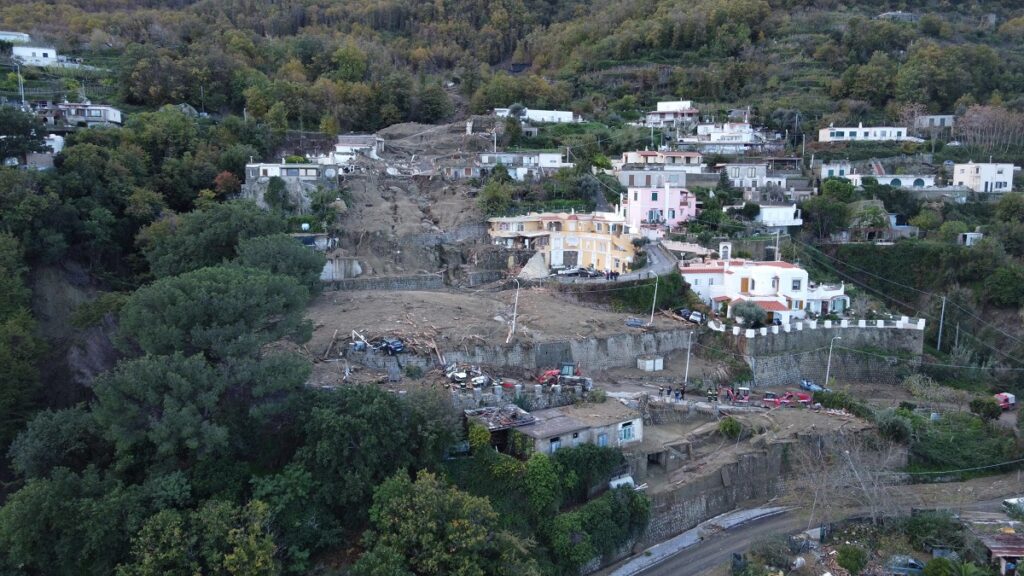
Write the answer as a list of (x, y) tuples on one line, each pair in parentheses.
[(828, 366)]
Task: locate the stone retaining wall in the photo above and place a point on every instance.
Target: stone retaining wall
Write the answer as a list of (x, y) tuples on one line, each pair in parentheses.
[(412, 283)]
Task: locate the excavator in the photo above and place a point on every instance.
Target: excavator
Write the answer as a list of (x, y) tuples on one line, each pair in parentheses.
[(740, 397), (568, 374)]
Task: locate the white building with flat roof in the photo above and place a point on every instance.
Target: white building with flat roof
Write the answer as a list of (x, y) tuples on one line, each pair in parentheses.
[(674, 113), (984, 176), (35, 55), (862, 134), (15, 37), (542, 116)]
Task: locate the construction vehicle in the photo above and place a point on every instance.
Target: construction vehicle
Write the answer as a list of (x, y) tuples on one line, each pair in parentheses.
[(1006, 400), (740, 397), (773, 400), (569, 374), (798, 398)]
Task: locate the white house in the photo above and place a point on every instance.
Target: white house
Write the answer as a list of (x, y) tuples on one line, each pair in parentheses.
[(609, 423), (969, 238), (672, 113), (779, 216), (862, 134), (89, 114), (549, 116), (934, 121), (752, 175), (895, 180), (260, 171), (985, 176), (15, 37), (837, 169), (650, 177), (782, 289), (35, 55), (348, 146), (523, 166), (728, 137), (692, 162)]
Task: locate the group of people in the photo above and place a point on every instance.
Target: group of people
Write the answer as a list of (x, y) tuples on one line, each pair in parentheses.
[(670, 392), (610, 275)]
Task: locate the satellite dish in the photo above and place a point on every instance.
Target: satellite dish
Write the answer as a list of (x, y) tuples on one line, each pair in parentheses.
[(330, 172)]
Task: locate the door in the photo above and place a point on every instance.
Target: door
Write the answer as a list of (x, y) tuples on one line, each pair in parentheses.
[(744, 285), (556, 253)]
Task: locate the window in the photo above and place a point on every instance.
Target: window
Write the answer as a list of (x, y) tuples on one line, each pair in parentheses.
[(46, 54), (696, 281), (654, 196), (631, 179), (831, 173), (636, 196), (265, 172), (555, 444), (775, 283), (602, 439), (751, 172), (711, 281), (752, 284), (626, 432), (734, 172), (796, 285), (671, 213)]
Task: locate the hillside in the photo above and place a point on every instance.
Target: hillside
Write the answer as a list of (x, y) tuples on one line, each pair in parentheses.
[(363, 65)]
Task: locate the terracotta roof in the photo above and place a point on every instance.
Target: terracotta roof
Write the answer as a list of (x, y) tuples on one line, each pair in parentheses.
[(720, 298), (703, 270), (771, 305)]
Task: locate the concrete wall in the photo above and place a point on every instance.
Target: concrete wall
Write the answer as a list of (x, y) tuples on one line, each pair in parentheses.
[(880, 353), (755, 476), (453, 236), (412, 282), (592, 353)]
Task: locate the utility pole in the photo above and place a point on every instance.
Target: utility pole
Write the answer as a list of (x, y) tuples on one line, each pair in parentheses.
[(803, 147), (942, 317), (21, 86), (515, 312), (777, 233), (686, 374), (655, 299), (828, 366), (956, 339), (652, 137), (494, 134)]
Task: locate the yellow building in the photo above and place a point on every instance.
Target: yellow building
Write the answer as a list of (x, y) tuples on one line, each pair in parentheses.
[(599, 240)]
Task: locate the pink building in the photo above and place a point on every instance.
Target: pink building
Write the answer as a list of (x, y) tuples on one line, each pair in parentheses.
[(653, 208)]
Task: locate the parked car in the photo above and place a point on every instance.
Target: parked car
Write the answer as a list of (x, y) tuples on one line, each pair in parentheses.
[(812, 386), (390, 346), (580, 271), (1006, 400), (683, 312), (904, 566), (696, 317)]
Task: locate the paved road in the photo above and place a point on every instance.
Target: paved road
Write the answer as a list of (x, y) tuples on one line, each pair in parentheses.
[(659, 262), (719, 548)]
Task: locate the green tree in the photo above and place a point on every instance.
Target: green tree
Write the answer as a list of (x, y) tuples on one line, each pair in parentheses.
[(69, 524), (434, 103), (513, 131), (161, 411), (543, 485), (495, 198), (277, 119), (927, 220), (1011, 208), (853, 558), (205, 237), (276, 195), (284, 255), (425, 527), (939, 567), (350, 63), (839, 189), (753, 315), (20, 133), (221, 312), (68, 438), (987, 408), (825, 215), (1005, 288), (217, 539), (950, 230)]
